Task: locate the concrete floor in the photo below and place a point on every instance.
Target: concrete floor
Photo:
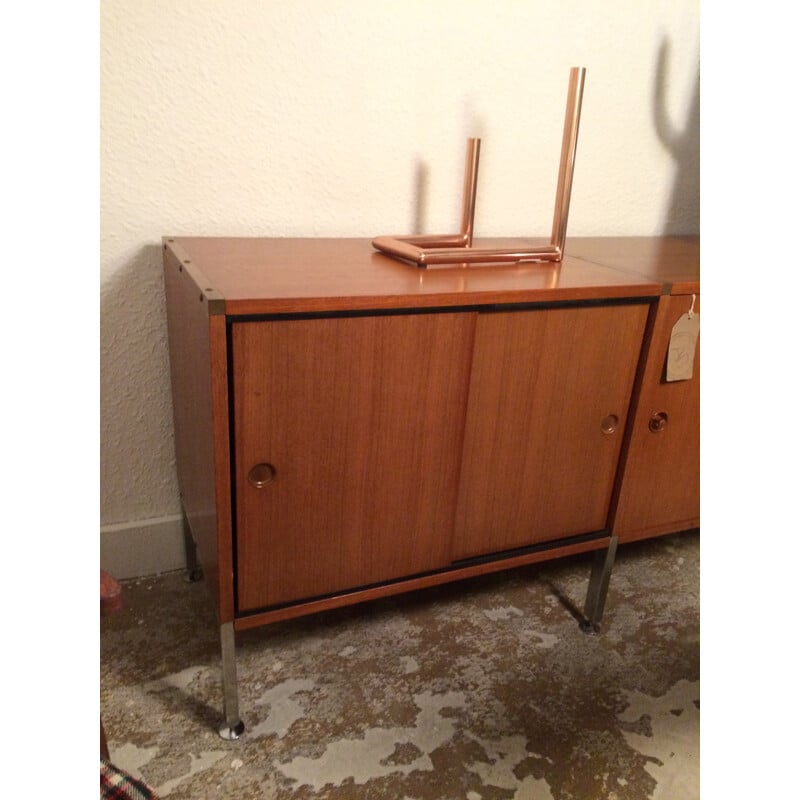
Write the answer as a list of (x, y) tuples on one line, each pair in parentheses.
[(481, 690)]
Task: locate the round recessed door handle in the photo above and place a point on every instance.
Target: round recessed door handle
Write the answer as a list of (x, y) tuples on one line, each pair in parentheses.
[(609, 424), (260, 475), (658, 422)]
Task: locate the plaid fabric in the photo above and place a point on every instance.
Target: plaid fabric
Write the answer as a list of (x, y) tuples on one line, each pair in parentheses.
[(115, 784)]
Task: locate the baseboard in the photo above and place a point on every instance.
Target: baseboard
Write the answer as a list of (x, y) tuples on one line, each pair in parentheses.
[(142, 548)]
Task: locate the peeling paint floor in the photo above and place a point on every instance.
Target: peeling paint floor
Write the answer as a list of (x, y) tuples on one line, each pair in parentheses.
[(481, 690)]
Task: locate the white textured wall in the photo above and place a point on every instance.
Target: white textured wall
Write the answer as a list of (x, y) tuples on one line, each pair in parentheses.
[(337, 118)]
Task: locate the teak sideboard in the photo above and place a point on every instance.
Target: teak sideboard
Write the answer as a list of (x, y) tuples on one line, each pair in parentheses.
[(348, 426)]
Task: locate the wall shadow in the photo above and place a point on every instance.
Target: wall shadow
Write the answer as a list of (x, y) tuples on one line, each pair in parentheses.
[(681, 139), (419, 210)]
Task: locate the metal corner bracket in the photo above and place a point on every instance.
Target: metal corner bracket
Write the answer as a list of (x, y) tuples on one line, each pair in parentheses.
[(214, 299)]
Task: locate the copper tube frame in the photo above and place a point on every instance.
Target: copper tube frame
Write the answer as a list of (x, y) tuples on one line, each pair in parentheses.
[(456, 248)]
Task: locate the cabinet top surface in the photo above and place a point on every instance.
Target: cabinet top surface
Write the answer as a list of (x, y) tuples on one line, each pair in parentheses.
[(670, 260), (262, 276)]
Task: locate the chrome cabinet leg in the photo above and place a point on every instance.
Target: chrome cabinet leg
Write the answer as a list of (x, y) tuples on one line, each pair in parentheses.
[(233, 727), (598, 587), (194, 571)]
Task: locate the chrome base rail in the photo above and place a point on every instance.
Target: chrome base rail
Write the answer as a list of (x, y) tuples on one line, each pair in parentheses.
[(598, 587), (233, 727)]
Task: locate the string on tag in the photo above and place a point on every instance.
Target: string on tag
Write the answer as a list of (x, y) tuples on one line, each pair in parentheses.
[(691, 310)]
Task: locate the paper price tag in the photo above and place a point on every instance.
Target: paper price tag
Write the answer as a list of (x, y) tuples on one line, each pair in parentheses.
[(682, 346)]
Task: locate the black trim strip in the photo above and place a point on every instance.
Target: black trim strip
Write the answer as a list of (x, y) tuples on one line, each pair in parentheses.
[(232, 465), (455, 565), (532, 548), (489, 308)]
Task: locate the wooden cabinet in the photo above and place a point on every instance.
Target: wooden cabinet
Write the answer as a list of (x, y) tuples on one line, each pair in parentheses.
[(660, 484), (361, 419), (371, 466), (349, 427), (548, 401), (658, 488)]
